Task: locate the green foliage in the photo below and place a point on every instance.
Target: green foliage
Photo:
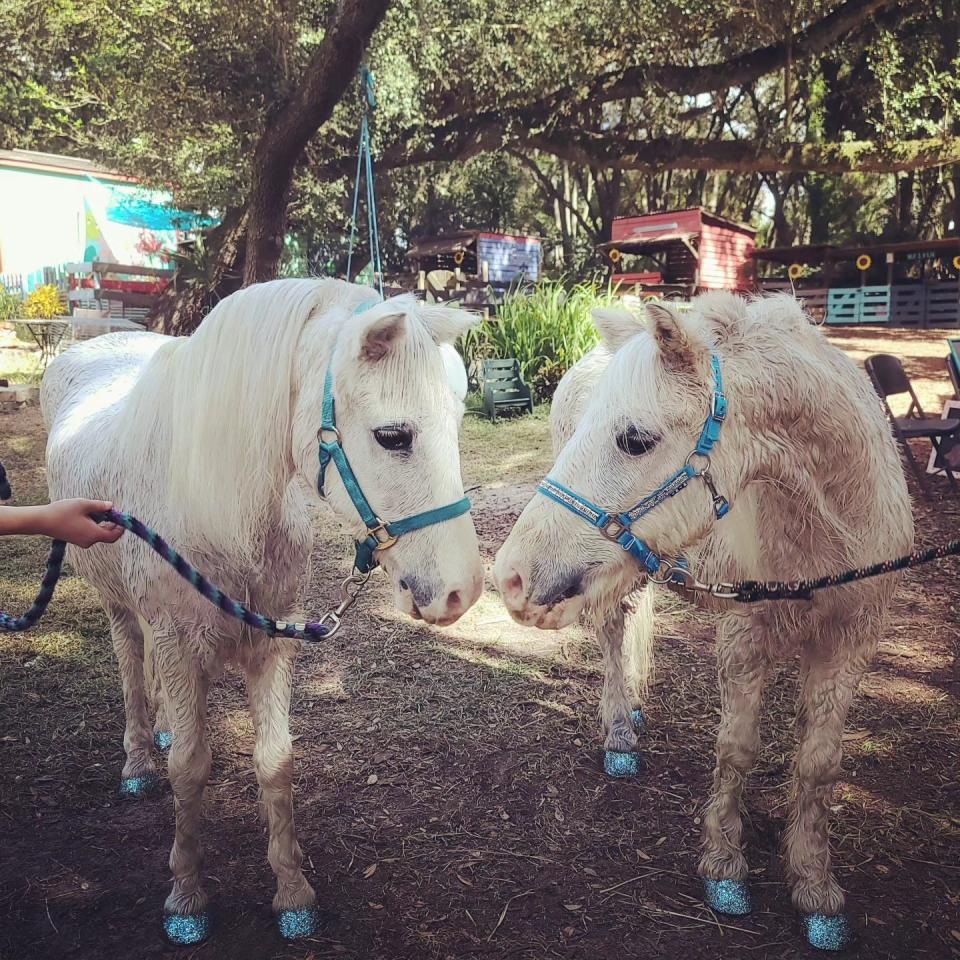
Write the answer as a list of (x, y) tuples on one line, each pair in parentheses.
[(11, 305), (44, 303), (547, 327)]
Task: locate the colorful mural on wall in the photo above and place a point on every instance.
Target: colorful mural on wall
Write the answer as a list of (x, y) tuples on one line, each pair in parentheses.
[(56, 210)]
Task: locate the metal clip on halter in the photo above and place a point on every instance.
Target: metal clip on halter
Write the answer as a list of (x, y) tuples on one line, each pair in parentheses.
[(348, 598)]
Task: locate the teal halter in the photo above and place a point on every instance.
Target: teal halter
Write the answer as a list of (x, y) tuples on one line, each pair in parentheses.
[(615, 525), (381, 535)]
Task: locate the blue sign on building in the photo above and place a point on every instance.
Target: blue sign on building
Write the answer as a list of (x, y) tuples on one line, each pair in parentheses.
[(509, 258)]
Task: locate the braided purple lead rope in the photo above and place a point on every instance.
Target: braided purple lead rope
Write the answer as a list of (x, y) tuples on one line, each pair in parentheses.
[(311, 632)]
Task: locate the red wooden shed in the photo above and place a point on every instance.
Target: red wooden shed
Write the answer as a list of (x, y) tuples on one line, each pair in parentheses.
[(681, 252)]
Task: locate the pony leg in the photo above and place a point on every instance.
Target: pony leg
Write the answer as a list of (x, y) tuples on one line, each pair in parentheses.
[(269, 679), (742, 667), (162, 735), (828, 688), (620, 757), (139, 776), (638, 636), (185, 684)]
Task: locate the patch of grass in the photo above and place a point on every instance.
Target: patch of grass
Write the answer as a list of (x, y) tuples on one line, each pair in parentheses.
[(19, 362), (512, 450)]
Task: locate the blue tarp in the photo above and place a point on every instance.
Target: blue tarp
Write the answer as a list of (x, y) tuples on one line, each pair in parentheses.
[(137, 212)]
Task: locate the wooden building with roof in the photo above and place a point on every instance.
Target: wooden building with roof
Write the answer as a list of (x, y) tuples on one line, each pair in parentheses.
[(680, 253)]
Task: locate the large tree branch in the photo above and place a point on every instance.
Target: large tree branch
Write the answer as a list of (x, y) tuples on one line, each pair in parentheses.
[(861, 156), (477, 131), (744, 68), (607, 150)]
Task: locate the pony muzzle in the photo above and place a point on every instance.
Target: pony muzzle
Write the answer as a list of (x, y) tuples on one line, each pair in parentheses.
[(440, 604), (549, 603)]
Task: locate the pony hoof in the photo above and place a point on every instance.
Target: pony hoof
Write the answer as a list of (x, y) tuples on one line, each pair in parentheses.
[(639, 720), (186, 929), (827, 933), (163, 739), (731, 897), (296, 924), (616, 764), (137, 787)]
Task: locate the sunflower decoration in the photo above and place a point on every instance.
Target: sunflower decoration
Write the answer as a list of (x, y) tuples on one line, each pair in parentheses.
[(956, 262), (795, 271), (864, 261), (458, 257), (614, 255)]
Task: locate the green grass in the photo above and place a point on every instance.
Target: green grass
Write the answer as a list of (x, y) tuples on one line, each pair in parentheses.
[(515, 449), (19, 362)]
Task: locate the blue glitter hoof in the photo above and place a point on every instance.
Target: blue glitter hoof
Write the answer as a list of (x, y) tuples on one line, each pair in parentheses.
[(827, 933), (617, 764), (138, 787), (163, 739), (731, 897), (186, 929), (639, 720), (296, 924)]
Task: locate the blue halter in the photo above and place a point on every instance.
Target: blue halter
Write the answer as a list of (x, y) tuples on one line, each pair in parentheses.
[(616, 526), (381, 535)]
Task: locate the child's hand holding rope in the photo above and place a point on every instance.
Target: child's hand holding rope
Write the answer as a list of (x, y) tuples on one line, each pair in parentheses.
[(68, 520)]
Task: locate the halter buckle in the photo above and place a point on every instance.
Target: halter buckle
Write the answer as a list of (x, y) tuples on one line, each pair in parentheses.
[(718, 407), (333, 430), (613, 529), (382, 535)]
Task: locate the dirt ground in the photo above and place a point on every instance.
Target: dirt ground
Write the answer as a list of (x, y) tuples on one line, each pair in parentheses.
[(450, 796)]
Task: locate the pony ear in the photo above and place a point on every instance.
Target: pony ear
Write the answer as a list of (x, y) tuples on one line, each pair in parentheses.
[(677, 342), (615, 326), (447, 324), (381, 336)]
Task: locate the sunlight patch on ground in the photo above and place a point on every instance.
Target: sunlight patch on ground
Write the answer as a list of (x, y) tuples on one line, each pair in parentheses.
[(494, 664), (900, 689)]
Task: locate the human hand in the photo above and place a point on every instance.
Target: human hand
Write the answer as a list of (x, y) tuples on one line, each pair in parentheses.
[(70, 520)]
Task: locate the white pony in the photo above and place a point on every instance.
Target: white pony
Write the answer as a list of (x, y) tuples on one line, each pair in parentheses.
[(210, 440), (802, 450)]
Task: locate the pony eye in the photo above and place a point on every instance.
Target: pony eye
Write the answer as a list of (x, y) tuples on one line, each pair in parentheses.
[(635, 442), (394, 438)]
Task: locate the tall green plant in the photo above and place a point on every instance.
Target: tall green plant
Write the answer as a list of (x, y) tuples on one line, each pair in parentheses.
[(11, 306), (547, 327)]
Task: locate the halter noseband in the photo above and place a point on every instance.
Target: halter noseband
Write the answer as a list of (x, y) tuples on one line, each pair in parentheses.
[(381, 535), (616, 526)]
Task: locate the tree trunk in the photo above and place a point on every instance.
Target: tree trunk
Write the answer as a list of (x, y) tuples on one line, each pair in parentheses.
[(331, 70), (253, 234), (183, 305)]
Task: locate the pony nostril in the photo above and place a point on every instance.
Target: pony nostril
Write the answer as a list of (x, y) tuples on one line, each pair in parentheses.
[(513, 584), (454, 601), (404, 585)]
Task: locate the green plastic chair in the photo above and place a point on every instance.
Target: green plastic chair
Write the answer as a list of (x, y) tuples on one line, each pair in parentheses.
[(503, 387)]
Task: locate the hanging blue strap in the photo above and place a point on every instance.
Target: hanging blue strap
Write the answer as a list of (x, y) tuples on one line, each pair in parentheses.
[(365, 169)]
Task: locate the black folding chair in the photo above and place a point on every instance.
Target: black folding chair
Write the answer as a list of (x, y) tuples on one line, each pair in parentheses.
[(890, 380)]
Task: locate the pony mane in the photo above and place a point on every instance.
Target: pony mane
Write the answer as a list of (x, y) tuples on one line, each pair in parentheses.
[(226, 396)]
